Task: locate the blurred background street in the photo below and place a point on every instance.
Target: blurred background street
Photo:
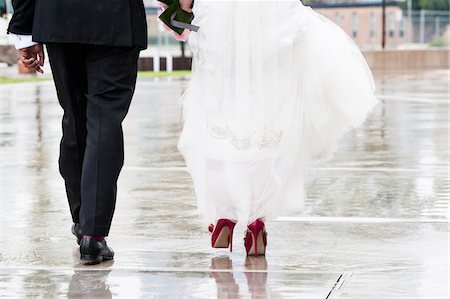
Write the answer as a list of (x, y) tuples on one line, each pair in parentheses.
[(409, 25), (375, 225)]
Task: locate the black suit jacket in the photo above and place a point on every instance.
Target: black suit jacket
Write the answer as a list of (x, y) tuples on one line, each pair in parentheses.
[(98, 22)]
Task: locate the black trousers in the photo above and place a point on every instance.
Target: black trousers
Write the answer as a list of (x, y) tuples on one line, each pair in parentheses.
[(95, 85)]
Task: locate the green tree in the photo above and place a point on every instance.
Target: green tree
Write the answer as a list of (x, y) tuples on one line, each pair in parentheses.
[(434, 4), (427, 4)]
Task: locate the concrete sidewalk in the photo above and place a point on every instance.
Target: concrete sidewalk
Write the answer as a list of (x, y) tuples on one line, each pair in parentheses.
[(375, 224)]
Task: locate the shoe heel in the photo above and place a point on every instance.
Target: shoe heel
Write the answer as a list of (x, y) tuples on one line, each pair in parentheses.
[(256, 234), (231, 227), (255, 239), (259, 239)]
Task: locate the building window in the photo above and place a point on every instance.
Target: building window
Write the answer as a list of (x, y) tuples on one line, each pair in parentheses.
[(391, 26), (373, 24), (354, 24), (401, 27)]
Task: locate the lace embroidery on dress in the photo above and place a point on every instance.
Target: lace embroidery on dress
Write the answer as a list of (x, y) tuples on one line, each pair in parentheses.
[(265, 139)]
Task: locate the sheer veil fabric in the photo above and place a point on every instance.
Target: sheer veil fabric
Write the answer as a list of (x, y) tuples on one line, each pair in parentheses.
[(274, 86)]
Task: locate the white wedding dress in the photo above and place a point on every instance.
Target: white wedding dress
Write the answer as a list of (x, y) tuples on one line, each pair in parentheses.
[(274, 85)]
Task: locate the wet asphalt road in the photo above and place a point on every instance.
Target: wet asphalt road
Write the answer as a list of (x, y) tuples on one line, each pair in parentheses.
[(375, 224)]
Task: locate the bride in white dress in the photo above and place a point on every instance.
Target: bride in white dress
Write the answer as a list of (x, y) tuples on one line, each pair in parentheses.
[(274, 85)]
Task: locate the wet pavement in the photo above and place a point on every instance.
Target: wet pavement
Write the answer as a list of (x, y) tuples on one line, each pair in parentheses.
[(375, 224)]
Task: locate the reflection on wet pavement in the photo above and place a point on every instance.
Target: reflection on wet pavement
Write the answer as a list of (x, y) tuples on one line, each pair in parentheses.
[(375, 224)]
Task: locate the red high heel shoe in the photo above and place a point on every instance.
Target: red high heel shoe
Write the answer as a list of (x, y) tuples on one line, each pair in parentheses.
[(222, 234), (255, 240)]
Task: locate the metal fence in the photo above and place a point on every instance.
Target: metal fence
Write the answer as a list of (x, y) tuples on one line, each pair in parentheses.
[(403, 28), (429, 26)]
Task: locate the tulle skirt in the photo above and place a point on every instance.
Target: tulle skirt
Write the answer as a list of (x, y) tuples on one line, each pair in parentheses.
[(274, 86)]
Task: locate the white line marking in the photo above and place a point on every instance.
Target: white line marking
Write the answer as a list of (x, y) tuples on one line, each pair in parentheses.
[(361, 220), (378, 169), (156, 168), (143, 269), (382, 169), (405, 98)]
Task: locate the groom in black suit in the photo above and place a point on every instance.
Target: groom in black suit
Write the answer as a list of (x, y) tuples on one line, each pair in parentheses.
[(93, 47)]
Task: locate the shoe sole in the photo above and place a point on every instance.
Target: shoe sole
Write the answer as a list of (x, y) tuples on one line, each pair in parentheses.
[(87, 259)]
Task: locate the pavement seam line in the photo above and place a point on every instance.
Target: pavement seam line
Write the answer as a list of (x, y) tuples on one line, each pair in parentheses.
[(164, 269)]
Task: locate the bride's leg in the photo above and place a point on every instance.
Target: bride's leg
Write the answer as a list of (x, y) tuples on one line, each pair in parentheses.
[(263, 184), (220, 199), (240, 190)]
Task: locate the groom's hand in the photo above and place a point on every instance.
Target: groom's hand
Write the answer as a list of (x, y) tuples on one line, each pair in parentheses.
[(33, 57), (186, 5)]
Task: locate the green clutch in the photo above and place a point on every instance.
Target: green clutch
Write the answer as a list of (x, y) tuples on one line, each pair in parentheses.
[(176, 18)]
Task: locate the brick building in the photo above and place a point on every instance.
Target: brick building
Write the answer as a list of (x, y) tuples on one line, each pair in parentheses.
[(363, 21)]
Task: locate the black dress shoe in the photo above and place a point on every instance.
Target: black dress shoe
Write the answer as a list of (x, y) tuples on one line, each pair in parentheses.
[(76, 231), (94, 251)]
